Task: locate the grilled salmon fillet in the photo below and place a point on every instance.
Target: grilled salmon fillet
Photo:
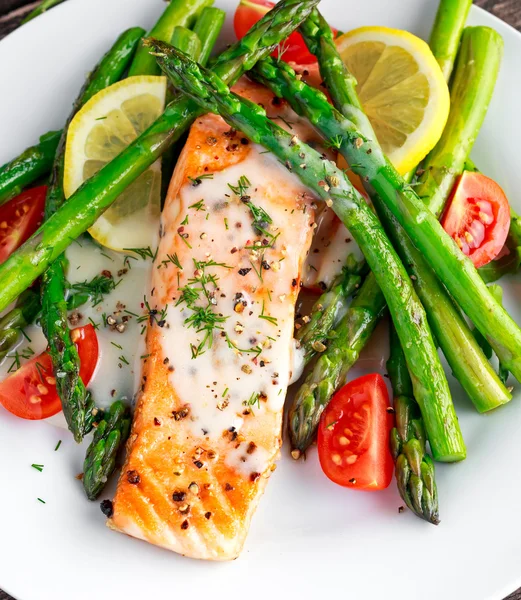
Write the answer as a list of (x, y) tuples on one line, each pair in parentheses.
[(235, 230)]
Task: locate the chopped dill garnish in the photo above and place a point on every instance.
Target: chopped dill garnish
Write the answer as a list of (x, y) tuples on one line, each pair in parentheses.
[(25, 354), (95, 289), (198, 205), (58, 445), (123, 359), (271, 320), (37, 467), (171, 258), (144, 253), (195, 181)]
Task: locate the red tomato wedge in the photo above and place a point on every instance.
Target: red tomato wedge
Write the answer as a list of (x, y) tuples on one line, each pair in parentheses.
[(30, 392), (19, 219), (477, 217), (250, 11), (353, 435)]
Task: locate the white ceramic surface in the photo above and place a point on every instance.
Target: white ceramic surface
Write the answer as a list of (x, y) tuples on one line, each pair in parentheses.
[(309, 537)]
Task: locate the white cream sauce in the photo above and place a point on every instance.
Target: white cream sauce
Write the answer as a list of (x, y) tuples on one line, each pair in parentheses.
[(331, 246), (223, 381), (113, 378)]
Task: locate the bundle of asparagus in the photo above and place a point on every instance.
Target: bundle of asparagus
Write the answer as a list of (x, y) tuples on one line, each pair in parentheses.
[(416, 271)]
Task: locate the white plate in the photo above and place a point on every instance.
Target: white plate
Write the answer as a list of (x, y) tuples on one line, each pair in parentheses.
[(309, 537)]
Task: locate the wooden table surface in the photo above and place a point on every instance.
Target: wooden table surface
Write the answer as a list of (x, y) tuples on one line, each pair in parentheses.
[(13, 11)]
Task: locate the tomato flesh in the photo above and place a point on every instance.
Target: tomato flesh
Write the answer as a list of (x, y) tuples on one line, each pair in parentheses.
[(250, 11), (353, 435), (30, 392), (477, 217), (19, 219)]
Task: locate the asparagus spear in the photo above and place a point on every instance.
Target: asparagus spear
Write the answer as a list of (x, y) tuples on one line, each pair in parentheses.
[(329, 183), (83, 208), (446, 33), (472, 87), (44, 6), (34, 162), (63, 351), (100, 460), (332, 366), (381, 180), (206, 31), (207, 27), (451, 331), (177, 13), (414, 468), (329, 310), (187, 41)]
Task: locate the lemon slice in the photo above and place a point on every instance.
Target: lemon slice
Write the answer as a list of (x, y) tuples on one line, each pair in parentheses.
[(402, 90), (106, 125)]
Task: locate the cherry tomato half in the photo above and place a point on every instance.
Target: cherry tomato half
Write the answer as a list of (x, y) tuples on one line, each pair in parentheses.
[(250, 11), (19, 219), (30, 392), (353, 435), (477, 217)]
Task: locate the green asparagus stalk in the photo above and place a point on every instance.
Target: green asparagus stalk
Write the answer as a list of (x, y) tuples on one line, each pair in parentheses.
[(458, 343), (109, 437), (63, 351), (382, 181), (446, 33), (330, 184), (44, 6), (187, 41), (34, 162), (207, 28), (191, 43), (11, 324), (346, 342), (329, 310), (83, 208), (178, 13), (414, 467), (472, 87)]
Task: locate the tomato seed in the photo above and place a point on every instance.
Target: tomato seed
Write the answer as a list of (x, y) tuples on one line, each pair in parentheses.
[(336, 458), (42, 389), (35, 399)]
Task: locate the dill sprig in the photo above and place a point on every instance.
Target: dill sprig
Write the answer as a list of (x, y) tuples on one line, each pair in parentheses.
[(171, 258), (153, 315), (17, 357), (144, 253), (195, 181), (95, 289), (201, 288), (268, 318), (261, 219), (198, 205)]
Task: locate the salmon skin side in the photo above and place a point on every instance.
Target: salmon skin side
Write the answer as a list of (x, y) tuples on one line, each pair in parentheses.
[(235, 230)]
